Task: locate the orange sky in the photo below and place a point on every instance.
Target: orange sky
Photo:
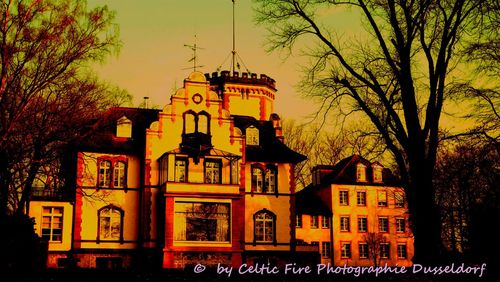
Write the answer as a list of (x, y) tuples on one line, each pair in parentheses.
[(154, 60)]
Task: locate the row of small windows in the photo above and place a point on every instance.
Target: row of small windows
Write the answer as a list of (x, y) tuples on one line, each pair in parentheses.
[(112, 174), (212, 170), (361, 173), (365, 251), (315, 221), (383, 224), (399, 199), (345, 223)]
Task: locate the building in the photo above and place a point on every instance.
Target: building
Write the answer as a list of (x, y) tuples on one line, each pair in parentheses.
[(355, 211), (207, 179)]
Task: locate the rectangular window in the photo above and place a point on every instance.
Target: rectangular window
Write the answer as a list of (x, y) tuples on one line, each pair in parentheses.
[(399, 199), (212, 171), (382, 198), (200, 221), (344, 198), (345, 250), (325, 222), (361, 198), (384, 250), (363, 250), (298, 221), (402, 251), (345, 224), (383, 224), (325, 249), (362, 224), (400, 225), (180, 170), (52, 223), (314, 221)]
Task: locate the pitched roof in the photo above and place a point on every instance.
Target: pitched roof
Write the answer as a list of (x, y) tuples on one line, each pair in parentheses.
[(101, 137), (270, 148), (344, 172), (308, 202)]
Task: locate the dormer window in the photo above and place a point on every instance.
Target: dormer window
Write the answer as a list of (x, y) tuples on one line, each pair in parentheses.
[(124, 127), (252, 136), (361, 173), (377, 173)]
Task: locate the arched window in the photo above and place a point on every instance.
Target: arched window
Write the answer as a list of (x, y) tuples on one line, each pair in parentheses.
[(252, 135), (264, 227), (189, 122), (104, 174), (203, 123), (271, 177), (377, 173), (124, 127), (119, 179), (257, 180), (110, 223)]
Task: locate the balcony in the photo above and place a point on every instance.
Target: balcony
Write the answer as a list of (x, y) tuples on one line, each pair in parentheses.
[(39, 193)]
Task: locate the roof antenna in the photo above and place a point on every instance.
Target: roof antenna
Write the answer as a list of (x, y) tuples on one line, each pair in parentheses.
[(193, 47), (235, 58), (146, 102)]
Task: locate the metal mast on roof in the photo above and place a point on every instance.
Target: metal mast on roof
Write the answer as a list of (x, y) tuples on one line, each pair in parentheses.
[(193, 47), (235, 58)]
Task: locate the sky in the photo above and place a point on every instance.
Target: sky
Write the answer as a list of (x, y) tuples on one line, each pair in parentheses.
[(154, 60)]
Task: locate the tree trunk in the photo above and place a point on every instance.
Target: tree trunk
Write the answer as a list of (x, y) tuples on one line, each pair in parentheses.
[(26, 193), (424, 215)]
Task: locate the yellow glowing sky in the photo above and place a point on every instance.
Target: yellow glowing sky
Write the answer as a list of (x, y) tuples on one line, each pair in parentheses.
[(153, 60)]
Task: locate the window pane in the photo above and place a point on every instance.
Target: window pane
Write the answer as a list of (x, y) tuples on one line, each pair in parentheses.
[(257, 180), (270, 180), (202, 222)]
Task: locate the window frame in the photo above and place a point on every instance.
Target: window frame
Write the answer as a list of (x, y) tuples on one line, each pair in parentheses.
[(402, 253), (399, 228), (112, 160), (123, 176), (399, 204), (205, 170), (326, 249), (273, 227), (381, 254), (267, 184), (361, 172), (345, 253), (325, 222), (314, 221), (252, 132), (379, 198), (386, 220), (51, 215), (365, 251), (343, 225), (298, 221), (366, 224), (122, 215), (186, 169), (363, 204), (342, 201)]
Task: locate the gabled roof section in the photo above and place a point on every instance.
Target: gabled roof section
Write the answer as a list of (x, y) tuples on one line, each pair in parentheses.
[(344, 172), (101, 137), (308, 202), (270, 148)]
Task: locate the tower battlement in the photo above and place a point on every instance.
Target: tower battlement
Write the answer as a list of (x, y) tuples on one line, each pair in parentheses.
[(247, 78)]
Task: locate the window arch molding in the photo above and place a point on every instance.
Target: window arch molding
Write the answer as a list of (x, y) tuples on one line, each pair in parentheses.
[(264, 178), (110, 218), (264, 230), (112, 172), (196, 122)]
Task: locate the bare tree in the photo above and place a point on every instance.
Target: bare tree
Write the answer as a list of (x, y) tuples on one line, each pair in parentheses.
[(397, 76), (373, 241), (44, 45)]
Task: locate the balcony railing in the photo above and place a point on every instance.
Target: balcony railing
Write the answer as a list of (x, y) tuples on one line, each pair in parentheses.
[(47, 194)]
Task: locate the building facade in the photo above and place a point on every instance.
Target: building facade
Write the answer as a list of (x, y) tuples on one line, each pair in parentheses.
[(356, 212), (207, 179)]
